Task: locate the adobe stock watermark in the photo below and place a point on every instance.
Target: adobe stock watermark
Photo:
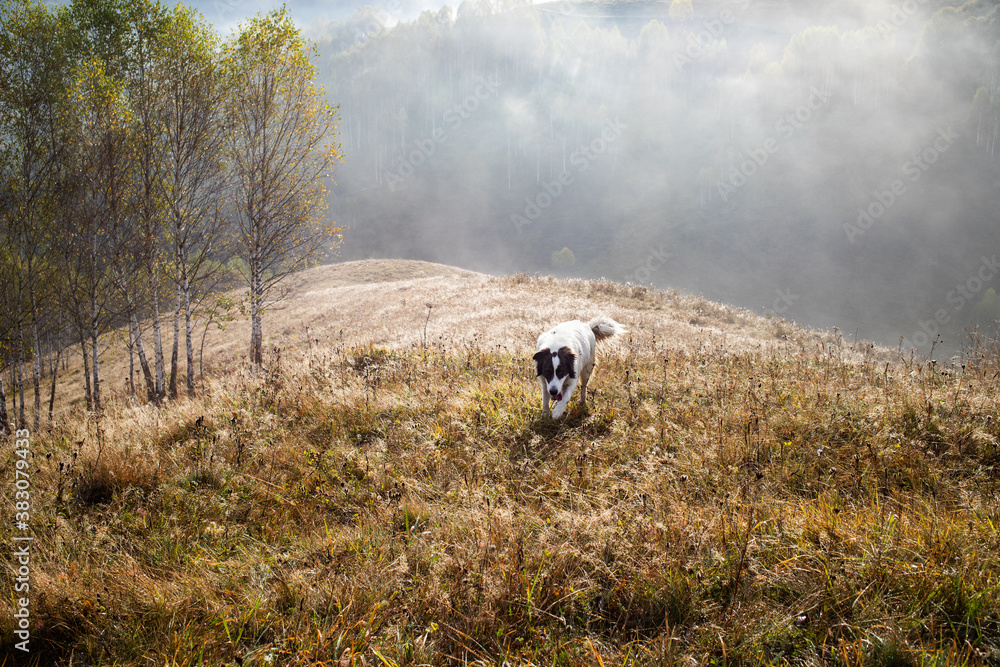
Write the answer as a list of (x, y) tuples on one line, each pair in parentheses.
[(912, 170), (786, 127), (579, 160), (712, 30), (21, 549), (453, 118), (899, 16), (784, 301), (644, 272), (374, 25), (958, 299)]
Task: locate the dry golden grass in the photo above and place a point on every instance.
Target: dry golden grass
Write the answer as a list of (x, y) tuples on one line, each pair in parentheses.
[(738, 491), (385, 302)]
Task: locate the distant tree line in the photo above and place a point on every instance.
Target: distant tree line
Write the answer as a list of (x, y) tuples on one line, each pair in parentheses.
[(145, 165)]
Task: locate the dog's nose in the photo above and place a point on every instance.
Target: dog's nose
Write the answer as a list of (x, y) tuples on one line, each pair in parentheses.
[(553, 392)]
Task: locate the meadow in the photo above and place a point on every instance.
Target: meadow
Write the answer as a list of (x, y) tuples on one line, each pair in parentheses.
[(385, 491)]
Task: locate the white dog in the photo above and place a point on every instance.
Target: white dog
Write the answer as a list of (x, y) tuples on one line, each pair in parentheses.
[(566, 356)]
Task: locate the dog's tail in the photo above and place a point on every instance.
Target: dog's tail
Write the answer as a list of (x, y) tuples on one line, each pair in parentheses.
[(604, 327)]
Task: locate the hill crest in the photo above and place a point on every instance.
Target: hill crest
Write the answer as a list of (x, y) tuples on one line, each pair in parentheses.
[(405, 303)]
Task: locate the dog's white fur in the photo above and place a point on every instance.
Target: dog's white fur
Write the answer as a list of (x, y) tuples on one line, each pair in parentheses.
[(565, 358)]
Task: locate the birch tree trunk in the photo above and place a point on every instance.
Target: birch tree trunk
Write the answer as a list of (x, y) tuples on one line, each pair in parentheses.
[(151, 393), (36, 375), (87, 391), (173, 355), (20, 378), (188, 338), (158, 389), (96, 362), (52, 393), (4, 421), (131, 364), (256, 329)]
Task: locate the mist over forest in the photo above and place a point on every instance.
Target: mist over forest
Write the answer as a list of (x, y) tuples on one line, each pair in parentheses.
[(833, 163)]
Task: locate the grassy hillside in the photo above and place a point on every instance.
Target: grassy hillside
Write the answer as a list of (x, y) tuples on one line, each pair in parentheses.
[(384, 492)]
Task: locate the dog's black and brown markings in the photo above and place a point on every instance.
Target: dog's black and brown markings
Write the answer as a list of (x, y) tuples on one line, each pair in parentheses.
[(558, 364)]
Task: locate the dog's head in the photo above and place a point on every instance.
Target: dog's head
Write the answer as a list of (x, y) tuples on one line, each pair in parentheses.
[(554, 368)]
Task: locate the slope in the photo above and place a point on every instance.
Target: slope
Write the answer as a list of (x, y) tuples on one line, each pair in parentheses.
[(738, 490)]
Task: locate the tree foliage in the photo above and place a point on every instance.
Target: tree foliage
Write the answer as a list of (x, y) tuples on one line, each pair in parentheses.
[(123, 178)]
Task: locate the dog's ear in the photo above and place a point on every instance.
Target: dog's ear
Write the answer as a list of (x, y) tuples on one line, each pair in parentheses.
[(542, 357), (567, 358)]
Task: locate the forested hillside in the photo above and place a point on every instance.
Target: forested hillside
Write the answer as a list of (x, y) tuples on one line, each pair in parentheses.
[(830, 162)]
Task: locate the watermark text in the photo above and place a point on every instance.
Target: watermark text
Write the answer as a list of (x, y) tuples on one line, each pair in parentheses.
[(22, 540)]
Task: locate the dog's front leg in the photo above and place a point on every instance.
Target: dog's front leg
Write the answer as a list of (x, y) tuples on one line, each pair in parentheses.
[(545, 396)]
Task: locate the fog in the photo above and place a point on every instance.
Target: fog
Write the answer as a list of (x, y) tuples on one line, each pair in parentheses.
[(831, 163)]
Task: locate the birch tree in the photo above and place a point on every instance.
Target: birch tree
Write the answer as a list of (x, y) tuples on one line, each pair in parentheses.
[(142, 23), (95, 232), (191, 91), (281, 147)]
